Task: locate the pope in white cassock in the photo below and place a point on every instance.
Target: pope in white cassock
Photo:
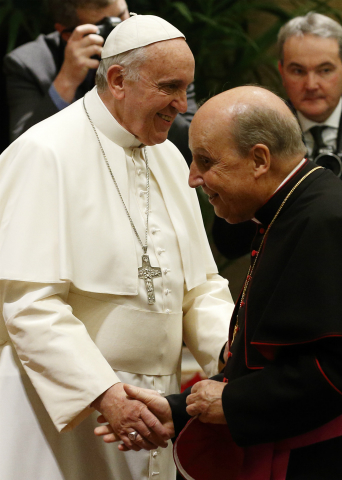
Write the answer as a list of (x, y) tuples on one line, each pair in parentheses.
[(105, 267)]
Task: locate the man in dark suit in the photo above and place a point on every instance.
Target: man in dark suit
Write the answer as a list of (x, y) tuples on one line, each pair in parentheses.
[(310, 52), (48, 74)]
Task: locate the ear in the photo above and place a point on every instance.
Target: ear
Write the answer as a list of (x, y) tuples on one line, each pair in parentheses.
[(261, 159), (115, 80)]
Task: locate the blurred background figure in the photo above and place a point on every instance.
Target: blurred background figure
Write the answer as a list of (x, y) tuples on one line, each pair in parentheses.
[(48, 74), (310, 49)]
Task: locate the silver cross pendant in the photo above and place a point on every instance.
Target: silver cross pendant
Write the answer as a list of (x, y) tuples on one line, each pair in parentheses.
[(148, 273)]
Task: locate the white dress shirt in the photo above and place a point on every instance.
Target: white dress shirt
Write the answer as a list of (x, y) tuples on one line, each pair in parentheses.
[(329, 134)]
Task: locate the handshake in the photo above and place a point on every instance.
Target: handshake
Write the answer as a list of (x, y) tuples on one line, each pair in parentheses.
[(142, 419)]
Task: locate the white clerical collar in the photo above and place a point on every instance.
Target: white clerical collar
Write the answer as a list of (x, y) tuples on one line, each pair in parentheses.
[(296, 168), (106, 123), (333, 121)]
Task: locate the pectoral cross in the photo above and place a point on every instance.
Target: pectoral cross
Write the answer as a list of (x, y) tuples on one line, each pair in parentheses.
[(148, 273)]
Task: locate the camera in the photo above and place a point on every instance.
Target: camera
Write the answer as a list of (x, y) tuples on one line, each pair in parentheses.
[(331, 161), (106, 25)]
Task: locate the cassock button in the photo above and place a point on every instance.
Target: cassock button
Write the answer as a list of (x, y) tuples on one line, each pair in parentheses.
[(254, 252), (262, 231), (230, 355)]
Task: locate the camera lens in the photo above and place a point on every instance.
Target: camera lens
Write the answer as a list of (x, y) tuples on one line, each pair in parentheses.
[(106, 25), (330, 161)]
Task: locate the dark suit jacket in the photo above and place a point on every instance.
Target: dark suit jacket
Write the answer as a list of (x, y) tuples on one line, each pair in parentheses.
[(31, 69)]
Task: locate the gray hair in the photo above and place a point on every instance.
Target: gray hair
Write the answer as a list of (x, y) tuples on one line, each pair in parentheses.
[(130, 61), (280, 133), (312, 23)]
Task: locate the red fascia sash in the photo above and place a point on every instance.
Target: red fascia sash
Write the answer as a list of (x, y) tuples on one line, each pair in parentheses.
[(205, 451)]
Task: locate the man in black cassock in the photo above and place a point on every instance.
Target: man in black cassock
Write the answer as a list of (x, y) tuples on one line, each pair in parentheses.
[(276, 410)]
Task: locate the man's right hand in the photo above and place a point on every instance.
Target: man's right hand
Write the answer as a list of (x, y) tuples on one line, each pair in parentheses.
[(82, 44), (126, 415)]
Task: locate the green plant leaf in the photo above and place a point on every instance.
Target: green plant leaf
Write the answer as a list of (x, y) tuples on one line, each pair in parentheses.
[(183, 10), (15, 21), (4, 11)]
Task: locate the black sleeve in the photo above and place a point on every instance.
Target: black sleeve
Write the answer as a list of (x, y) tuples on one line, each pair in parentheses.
[(298, 392), (179, 131), (233, 241), (178, 406)]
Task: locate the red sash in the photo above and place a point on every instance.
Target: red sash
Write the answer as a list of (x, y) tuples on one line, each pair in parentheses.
[(206, 451)]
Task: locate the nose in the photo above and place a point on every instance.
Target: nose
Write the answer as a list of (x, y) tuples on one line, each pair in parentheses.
[(195, 178), (181, 102), (311, 81)]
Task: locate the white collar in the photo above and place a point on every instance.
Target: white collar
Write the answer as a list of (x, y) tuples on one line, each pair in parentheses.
[(333, 121), (297, 167), (106, 123)]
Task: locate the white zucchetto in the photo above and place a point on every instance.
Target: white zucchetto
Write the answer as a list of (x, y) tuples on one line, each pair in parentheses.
[(138, 31)]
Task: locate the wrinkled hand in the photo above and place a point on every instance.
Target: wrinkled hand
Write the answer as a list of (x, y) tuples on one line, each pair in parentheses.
[(81, 46), (158, 405), (126, 415), (205, 401)]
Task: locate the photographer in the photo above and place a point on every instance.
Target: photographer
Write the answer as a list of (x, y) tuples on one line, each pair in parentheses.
[(48, 74)]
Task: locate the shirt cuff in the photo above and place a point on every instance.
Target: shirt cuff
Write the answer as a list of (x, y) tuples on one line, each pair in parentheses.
[(57, 99)]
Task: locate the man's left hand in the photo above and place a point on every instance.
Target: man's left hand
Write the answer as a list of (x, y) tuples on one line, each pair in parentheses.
[(205, 401)]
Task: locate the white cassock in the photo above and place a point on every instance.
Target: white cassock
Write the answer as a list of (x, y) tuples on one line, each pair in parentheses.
[(73, 305)]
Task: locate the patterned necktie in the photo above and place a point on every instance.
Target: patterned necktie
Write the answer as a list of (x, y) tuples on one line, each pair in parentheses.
[(316, 133)]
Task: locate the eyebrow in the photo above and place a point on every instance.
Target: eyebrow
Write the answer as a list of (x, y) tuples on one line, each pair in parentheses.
[(299, 65)]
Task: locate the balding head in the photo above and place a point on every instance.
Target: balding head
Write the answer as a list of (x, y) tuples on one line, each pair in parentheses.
[(244, 141), (252, 115)]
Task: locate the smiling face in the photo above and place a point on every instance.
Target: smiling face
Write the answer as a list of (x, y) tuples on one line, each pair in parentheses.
[(226, 177), (150, 104), (312, 75)]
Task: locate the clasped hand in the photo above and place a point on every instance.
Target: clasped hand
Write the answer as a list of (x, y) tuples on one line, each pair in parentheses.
[(149, 414)]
